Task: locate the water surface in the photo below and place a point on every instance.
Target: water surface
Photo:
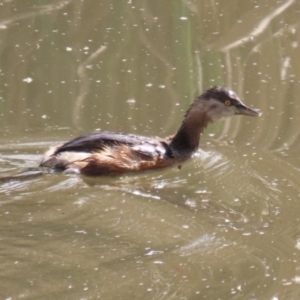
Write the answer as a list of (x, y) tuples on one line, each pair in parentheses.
[(225, 226)]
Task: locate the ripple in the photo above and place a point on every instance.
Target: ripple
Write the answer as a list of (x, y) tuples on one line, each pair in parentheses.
[(224, 226)]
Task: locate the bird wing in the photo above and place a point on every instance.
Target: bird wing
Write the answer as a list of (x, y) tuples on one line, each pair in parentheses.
[(143, 147)]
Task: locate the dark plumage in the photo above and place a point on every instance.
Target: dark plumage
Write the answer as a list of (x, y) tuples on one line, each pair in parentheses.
[(109, 153)]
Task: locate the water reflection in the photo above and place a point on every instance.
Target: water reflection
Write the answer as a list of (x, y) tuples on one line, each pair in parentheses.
[(225, 226)]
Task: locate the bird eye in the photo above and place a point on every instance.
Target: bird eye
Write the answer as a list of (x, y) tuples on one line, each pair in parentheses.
[(227, 102)]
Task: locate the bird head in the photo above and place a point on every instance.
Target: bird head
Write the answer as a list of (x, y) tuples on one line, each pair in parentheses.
[(219, 102)]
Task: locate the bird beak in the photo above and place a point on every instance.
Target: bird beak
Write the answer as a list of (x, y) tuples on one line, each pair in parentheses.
[(242, 109)]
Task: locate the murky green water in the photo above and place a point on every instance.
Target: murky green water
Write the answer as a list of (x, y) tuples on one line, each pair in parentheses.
[(225, 226)]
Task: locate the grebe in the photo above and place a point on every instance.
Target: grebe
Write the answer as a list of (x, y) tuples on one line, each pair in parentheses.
[(109, 153)]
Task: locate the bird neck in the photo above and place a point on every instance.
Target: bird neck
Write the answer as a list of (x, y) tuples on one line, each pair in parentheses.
[(186, 140)]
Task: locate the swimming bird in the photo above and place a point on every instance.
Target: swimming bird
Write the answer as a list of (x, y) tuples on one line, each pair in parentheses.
[(109, 153)]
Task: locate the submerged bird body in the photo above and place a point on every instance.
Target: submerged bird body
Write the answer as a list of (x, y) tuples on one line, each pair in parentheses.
[(108, 153)]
